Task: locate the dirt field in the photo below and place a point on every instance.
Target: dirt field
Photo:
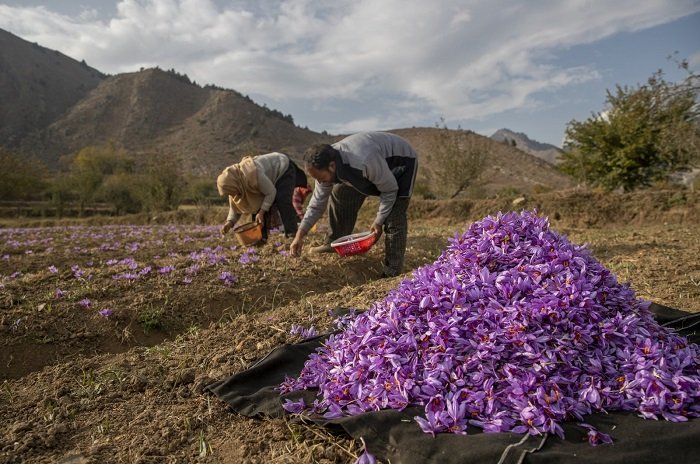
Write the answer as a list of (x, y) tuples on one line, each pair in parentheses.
[(108, 333)]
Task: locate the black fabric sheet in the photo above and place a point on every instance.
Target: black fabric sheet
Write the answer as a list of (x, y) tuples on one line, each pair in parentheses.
[(395, 436)]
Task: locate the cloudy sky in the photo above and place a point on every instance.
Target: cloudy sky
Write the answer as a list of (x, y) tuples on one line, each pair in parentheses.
[(348, 65)]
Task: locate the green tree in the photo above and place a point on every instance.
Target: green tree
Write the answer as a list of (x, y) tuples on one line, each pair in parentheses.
[(121, 191), (161, 183), (647, 132), (22, 178), (92, 165), (201, 191), (62, 192)]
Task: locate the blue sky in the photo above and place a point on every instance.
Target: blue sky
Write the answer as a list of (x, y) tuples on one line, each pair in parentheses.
[(349, 65)]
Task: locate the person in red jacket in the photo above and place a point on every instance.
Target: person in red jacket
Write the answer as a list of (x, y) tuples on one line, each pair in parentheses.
[(298, 198)]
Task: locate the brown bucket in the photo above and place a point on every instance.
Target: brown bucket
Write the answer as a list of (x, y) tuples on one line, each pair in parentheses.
[(249, 233)]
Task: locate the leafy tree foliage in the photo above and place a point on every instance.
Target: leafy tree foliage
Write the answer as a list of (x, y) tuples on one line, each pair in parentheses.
[(62, 192), (122, 192), (92, 165), (160, 182), (201, 191), (21, 178), (646, 133), (109, 174)]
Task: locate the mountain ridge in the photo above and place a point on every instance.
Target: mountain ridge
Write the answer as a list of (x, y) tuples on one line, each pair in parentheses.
[(37, 85), (546, 151), (205, 128)]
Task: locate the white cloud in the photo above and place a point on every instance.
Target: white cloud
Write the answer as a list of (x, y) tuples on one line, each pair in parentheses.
[(694, 61), (459, 59)]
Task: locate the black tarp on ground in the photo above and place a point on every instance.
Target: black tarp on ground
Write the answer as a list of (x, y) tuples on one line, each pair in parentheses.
[(395, 436)]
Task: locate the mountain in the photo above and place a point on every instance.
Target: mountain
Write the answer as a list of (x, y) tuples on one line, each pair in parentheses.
[(37, 85), (545, 151), (162, 111), (53, 105)]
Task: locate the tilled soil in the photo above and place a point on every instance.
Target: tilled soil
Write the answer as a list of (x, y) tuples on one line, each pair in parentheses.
[(80, 387)]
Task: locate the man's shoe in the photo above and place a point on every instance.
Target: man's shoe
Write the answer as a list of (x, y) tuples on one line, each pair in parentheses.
[(322, 249), (387, 275)]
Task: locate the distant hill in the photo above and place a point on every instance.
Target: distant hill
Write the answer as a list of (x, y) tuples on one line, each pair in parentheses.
[(545, 151), (507, 167), (158, 111), (37, 86), (53, 105)]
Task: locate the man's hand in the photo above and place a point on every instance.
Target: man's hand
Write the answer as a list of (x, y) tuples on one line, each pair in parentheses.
[(260, 217), (376, 229), (228, 225), (297, 244)]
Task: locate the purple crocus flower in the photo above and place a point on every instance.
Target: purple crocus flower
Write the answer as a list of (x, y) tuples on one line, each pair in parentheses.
[(249, 257), (366, 458), (53, 269), (166, 270), (595, 437), (85, 303), (105, 312), (77, 272), (294, 407), (512, 328), (227, 278), (58, 294), (303, 332), (129, 276)]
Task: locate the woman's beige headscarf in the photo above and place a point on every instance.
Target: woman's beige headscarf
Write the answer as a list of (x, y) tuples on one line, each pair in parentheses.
[(240, 182)]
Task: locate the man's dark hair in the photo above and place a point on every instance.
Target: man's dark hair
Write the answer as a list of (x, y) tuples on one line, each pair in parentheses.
[(320, 155)]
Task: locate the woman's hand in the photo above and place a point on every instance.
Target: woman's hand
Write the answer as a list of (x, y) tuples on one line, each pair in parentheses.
[(376, 229), (228, 225), (260, 217)]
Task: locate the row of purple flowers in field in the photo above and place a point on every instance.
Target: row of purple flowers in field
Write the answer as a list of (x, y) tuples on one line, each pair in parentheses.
[(81, 256)]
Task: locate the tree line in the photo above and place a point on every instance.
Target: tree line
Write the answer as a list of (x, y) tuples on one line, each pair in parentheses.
[(104, 174)]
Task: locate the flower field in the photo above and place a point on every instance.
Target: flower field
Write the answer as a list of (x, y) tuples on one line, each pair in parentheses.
[(110, 332), (71, 290)]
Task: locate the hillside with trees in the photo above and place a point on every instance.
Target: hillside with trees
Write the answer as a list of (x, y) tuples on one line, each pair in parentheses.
[(461, 162), (107, 140), (107, 147), (53, 106), (154, 111)]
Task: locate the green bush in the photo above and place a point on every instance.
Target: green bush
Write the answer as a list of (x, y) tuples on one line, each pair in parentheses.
[(122, 191), (647, 133), (22, 178)]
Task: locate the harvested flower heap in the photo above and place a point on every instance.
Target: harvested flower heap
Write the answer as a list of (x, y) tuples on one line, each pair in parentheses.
[(513, 328)]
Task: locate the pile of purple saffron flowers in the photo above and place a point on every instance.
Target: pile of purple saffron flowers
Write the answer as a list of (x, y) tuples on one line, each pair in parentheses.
[(513, 328)]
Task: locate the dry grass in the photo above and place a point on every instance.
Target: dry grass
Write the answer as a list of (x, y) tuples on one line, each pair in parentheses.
[(146, 403)]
